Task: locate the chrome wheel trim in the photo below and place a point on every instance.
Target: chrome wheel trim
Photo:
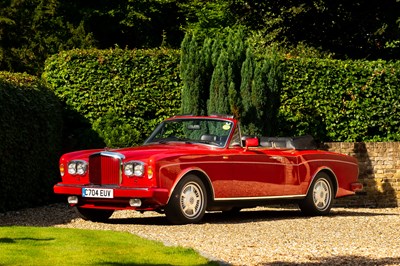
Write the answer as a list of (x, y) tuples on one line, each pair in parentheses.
[(322, 194), (191, 200)]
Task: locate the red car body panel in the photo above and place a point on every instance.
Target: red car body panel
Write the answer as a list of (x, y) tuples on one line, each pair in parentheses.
[(231, 173)]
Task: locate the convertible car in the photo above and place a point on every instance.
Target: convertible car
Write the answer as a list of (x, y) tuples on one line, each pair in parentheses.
[(191, 164)]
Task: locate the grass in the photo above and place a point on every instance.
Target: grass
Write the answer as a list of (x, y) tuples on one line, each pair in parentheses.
[(59, 246)]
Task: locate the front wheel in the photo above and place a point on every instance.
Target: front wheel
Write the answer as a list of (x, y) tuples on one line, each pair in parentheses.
[(319, 198), (188, 201), (93, 215)]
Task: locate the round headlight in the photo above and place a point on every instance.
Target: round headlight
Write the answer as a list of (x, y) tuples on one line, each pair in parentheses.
[(134, 168), (81, 167), (128, 169), (139, 169), (72, 168), (77, 167)]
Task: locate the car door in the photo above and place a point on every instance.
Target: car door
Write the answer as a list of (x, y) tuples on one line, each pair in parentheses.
[(251, 173)]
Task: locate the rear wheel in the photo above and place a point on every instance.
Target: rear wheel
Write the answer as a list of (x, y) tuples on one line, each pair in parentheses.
[(93, 215), (188, 201), (320, 196)]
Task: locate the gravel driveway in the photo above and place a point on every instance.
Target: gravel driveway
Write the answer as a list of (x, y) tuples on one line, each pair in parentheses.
[(261, 236)]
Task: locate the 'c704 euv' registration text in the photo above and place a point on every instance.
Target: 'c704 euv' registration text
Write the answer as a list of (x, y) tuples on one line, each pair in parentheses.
[(97, 193)]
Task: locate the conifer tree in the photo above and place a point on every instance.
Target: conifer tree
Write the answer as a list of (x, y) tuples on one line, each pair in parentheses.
[(218, 102), (247, 75), (194, 92), (273, 84)]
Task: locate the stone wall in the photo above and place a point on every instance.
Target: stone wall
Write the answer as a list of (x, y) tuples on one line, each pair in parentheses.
[(379, 164)]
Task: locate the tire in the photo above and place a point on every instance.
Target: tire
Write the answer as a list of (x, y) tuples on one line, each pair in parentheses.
[(188, 201), (319, 198), (93, 215)]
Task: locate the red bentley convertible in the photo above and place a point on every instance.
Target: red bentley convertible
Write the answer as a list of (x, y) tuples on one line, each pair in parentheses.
[(192, 164)]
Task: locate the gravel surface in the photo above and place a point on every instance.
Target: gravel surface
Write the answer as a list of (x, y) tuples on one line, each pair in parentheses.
[(261, 236)]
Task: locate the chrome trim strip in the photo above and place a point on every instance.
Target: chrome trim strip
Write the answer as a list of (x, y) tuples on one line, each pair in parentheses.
[(261, 198), (252, 162), (115, 155)]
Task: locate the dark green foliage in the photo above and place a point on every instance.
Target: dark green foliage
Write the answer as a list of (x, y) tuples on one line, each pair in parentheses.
[(210, 68), (240, 84), (247, 74), (260, 91), (218, 102), (32, 30), (208, 16), (195, 73), (341, 100), (119, 131), (116, 90), (346, 29), (30, 119), (133, 24)]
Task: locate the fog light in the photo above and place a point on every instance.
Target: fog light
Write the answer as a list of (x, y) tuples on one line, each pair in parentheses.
[(73, 200), (135, 202)]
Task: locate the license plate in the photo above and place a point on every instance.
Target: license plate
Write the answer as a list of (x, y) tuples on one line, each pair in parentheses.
[(97, 193)]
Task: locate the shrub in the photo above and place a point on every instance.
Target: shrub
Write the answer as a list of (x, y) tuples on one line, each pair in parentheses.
[(341, 100), (30, 118), (131, 86)]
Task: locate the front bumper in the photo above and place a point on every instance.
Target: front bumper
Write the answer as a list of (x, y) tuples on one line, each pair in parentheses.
[(153, 197)]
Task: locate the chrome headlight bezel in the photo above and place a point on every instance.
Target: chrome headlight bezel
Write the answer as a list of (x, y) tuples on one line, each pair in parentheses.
[(77, 167), (134, 168)]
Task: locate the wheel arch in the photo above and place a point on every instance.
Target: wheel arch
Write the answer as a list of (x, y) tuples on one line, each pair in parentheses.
[(203, 177), (329, 172)]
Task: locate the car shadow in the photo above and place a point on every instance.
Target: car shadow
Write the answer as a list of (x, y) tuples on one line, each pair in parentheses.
[(245, 216), (58, 214)]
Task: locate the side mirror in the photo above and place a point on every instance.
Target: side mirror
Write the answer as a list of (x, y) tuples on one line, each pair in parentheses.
[(251, 142)]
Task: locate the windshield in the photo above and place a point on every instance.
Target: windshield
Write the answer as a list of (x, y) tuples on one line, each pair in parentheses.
[(206, 131)]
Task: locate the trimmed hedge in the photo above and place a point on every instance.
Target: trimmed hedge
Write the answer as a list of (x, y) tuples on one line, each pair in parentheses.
[(122, 94), (330, 99), (341, 100), (30, 119)]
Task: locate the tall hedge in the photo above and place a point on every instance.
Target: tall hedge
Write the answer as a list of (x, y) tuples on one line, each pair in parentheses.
[(341, 100), (30, 141), (121, 94)]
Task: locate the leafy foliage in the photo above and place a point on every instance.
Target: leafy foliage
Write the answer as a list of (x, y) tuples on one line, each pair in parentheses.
[(32, 30), (341, 100), (133, 23), (116, 90), (195, 73), (347, 29), (30, 116), (240, 84)]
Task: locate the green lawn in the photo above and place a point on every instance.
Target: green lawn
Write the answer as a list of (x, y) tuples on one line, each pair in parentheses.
[(59, 246)]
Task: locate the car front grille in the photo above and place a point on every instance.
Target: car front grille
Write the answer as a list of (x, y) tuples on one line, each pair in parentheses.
[(105, 168)]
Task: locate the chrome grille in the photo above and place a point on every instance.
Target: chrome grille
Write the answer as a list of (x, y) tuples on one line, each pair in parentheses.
[(105, 168)]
